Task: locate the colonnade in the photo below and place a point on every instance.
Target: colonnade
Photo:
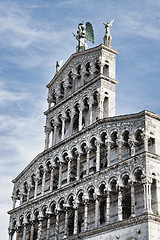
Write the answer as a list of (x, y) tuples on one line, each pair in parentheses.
[(29, 225)]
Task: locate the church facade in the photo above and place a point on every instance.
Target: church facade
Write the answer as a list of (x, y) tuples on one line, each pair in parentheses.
[(99, 175)]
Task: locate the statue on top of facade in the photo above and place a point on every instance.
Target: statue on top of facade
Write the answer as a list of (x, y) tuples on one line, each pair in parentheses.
[(83, 33), (108, 37)]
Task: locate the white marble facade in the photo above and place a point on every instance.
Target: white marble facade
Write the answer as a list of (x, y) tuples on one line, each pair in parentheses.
[(99, 174)]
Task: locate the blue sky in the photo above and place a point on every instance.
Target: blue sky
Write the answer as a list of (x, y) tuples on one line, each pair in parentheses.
[(34, 34)]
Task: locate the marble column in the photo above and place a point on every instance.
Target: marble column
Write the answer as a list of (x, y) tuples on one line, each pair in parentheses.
[(14, 199), (48, 226), (98, 156), (108, 207), (66, 223), (132, 147), (17, 233), (100, 105), (86, 202), (11, 233), (51, 180), (60, 175), (32, 231), (78, 166), (69, 170), (96, 211), (24, 231), (57, 225), (43, 183), (36, 187), (88, 162), (132, 200), (120, 217), (75, 218), (90, 112), (47, 131), (120, 144), (21, 198), (28, 194), (63, 128), (80, 117), (39, 232), (71, 123), (147, 195), (54, 134), (108, 144), (158, 196)]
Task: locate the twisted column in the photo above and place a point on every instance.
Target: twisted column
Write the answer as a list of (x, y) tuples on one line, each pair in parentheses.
[(39, 233), (108, 144), (88, 160), (66, 223), (57, 225), (108, 207), (75, 207)]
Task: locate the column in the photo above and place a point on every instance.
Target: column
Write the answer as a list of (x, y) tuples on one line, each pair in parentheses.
[(108, 207), (75, 218), (57, 225), (21, 198), (86, 202), (51, 180), (120, 217), (39, 232), (28, 193), (90, 112), (11, 232), (36, 186), (69, 170), (158, 196), (78, 166), (147, 196), (47, 131), (43, 182), (66, 223), (96, 211), (108, 144), (17, 233), (14, 199), (32, 231), (100, 105), (60, 175), (48, 226), (80, 117), (120, 144), (24, 231), (132, 147), (71, 123), (132, 200), (54, 134), (63, 126), (98, 156), (88, 161)]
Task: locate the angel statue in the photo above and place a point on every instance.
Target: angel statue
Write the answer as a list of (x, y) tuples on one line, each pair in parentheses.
[(107, 37), (84, 33)]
